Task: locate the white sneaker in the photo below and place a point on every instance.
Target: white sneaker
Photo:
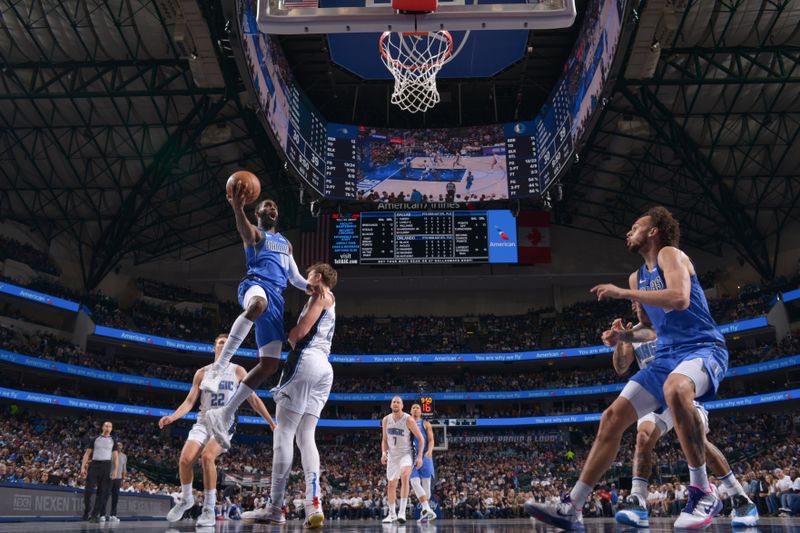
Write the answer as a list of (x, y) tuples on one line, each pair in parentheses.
[(113, 519), (563, 515), (181, 506), (211, 379), (391, 517), (270, 515), (701, 508), (427, 515), (102, 519), (401, 519), (207, 518), (219, 427)]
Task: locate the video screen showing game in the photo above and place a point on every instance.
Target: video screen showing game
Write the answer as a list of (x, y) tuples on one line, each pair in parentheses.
[(435, 165)]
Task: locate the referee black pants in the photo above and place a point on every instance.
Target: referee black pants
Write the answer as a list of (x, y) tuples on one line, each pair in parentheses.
[(97, 478)]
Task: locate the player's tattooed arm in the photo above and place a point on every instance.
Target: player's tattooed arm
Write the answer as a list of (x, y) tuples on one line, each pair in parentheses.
[(623, 357)]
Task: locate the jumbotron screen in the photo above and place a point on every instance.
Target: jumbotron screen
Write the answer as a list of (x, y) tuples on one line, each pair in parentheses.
[(483, 163), (405, 237)]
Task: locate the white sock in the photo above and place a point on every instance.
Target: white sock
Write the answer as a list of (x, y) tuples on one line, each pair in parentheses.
[(209, 499), (639, 488), (733, 485), (403, 505), (242, 393), (391, 509), (186, 491), (239, 330), (426, 506), (579, 493), (698, 477), (312, 488), (426, 484)]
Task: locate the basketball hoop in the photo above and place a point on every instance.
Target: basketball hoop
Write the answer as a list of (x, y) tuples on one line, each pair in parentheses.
[(414, 59)]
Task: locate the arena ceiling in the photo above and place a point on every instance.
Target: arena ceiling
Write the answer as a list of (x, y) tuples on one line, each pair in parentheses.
[(119, 120)]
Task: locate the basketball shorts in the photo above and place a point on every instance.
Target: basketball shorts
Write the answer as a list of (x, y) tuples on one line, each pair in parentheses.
[(396, 464), (714, 358), (427, 469), (200, 433), (305, 382), (269, 326), (663, 420)]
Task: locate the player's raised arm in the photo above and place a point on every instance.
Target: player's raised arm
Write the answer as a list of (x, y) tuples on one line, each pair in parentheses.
[(249, 233), (187, 404), (317, 304), (255, 402)]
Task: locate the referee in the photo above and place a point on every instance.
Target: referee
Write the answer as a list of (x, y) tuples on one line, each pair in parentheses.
[(104, 457)]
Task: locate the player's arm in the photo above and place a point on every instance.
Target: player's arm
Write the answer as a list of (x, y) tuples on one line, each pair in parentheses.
[(187, 404), (85, 460), (675, 296), (255, 402), (294, 276), (316, 306), (623, 357), (429, 430), (414, 428), (250, 233), (384, 442), (114, 462)]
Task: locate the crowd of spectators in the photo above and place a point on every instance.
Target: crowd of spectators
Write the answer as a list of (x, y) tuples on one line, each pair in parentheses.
[(483, 474), (25, 253), (172, 292)]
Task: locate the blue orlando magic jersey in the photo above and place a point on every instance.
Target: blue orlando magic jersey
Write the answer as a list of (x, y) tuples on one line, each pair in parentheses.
[(644, 352), (268, 260), (675, 328)]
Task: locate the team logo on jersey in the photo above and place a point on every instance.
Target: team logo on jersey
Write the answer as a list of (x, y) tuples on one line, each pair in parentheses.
[(226, 385), (396, 431)]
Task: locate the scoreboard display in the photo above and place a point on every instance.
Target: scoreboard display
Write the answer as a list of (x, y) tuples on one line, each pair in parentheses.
[(405, 237)]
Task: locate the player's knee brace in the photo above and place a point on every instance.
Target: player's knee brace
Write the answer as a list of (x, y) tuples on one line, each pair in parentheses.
[(418, 490)]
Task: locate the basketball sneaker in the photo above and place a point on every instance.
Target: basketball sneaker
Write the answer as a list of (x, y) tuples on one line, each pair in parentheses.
[(270, 515), (391, 517), (181, 506), (113, 519), (701, 508), (207, 518), (401, 519), (744, 512), (427, 515), (563, 515), (634, 514), (220, 427), (314, 516)]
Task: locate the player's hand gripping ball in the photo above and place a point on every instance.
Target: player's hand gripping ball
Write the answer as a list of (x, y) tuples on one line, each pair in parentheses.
[(245, 183)]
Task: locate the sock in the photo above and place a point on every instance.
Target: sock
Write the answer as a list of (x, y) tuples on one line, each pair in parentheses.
[(639, 488), (186, 491), (579, 493), (698, 477), (239, 330), (242, 393), (403, 505), (733, 485), (209, 499), (426, 506), (391, 509), (426, 484), (313, 494)]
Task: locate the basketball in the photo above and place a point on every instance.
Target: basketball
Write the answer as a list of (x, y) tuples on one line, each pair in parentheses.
[(249, 181)]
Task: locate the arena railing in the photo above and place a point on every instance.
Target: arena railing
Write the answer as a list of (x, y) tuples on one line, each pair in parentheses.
[(566, 392), (124, 409), (497, 357)]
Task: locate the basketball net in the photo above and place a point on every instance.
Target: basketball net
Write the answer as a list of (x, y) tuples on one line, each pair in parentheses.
[(414, 59)]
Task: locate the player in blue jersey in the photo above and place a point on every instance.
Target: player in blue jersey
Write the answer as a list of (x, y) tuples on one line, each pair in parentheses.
[(652, 426), (691, 360), (270, 266), (421, 477)]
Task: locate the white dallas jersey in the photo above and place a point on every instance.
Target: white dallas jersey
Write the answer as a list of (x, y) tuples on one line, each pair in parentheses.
[(645, 352), (322, 332), (399, 436), (215, 400)]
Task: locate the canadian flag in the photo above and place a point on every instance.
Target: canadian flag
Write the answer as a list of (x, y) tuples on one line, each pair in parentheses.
[(533, 237)]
